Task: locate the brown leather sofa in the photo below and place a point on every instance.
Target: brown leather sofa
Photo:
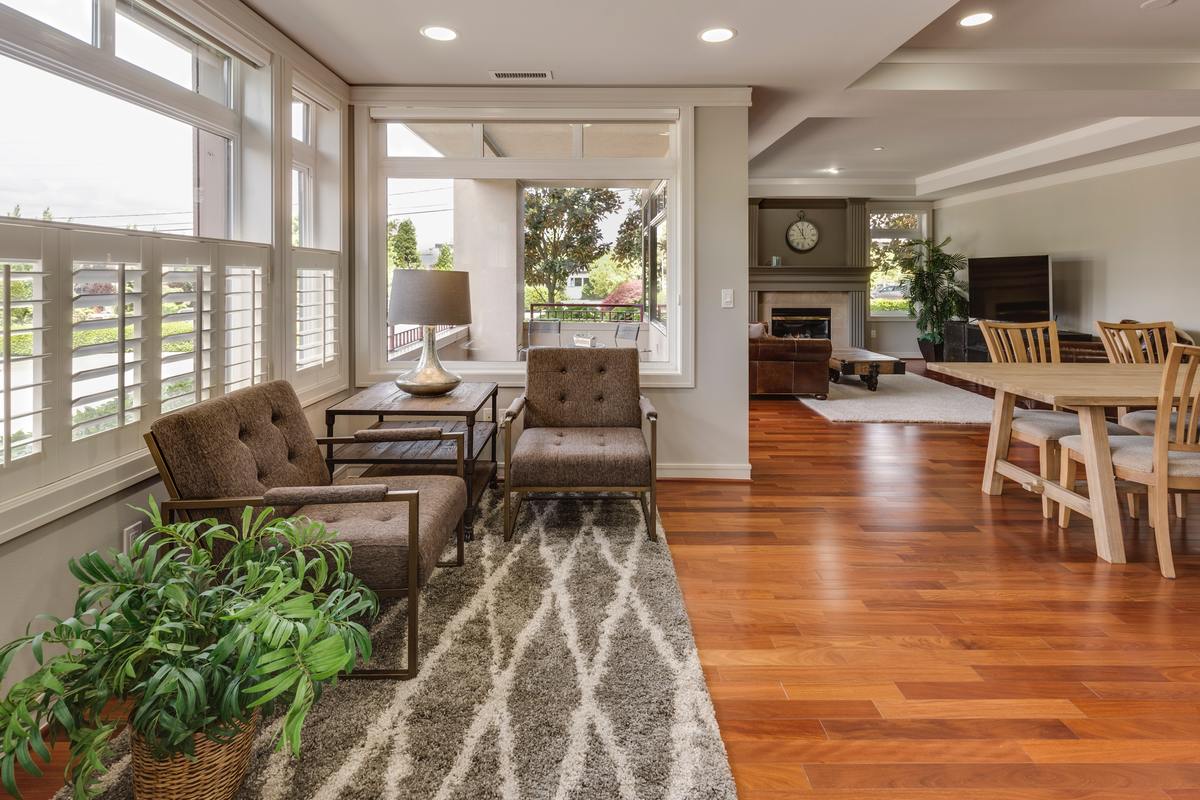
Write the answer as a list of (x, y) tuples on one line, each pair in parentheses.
[(790, 366)]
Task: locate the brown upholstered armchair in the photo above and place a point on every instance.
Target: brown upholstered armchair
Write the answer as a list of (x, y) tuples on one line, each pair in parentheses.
[(254, 447), (583, 430)]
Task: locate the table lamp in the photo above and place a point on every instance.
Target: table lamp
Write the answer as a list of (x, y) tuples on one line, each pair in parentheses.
[(429, 298)]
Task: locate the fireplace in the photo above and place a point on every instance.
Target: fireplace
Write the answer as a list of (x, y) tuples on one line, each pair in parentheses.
[(800, 323)]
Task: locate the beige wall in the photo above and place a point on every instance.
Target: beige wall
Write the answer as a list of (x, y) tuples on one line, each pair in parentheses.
[(1123, 245)]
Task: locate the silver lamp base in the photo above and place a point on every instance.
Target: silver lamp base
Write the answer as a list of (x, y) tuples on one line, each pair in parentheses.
[(429, 378)]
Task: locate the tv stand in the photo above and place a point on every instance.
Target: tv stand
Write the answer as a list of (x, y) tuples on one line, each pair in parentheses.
[(964, 342)]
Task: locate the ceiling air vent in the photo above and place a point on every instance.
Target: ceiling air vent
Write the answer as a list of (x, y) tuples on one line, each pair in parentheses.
[(522, 75)]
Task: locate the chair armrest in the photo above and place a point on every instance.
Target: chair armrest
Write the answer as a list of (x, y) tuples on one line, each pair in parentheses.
[(515, 408), (308, 495), (648, 409), (397, 434)]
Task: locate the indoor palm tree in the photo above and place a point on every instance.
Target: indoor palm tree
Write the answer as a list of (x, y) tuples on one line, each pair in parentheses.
[(935, 294), (194, 630)]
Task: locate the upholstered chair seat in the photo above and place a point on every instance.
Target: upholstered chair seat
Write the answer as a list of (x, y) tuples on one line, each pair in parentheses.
[(1143, 422), (570, 457), (1052, 425)]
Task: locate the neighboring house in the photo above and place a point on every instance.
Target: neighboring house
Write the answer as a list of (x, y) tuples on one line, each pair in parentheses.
[(575, 284)]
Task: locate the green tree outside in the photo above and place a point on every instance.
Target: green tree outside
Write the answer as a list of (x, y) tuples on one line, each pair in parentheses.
[(562, 233)]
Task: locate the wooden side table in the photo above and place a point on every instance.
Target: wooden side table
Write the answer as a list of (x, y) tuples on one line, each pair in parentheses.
[(457, 411)]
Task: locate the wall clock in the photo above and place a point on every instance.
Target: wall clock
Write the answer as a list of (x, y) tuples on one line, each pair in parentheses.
[(802, 235)]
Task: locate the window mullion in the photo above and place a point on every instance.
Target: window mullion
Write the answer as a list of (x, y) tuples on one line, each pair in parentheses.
[(105, 23)]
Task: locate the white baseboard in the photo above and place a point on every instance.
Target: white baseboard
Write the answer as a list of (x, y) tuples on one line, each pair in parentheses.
[(719, 472)]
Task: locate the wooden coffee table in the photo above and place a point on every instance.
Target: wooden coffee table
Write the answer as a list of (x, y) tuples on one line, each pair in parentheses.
[(865, 364)]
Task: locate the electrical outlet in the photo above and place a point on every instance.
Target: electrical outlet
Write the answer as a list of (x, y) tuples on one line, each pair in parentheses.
[(874, 332), (129, 534)]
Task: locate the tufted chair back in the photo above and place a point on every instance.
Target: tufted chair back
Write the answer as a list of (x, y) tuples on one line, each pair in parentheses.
[(240, 444), (582, 387)]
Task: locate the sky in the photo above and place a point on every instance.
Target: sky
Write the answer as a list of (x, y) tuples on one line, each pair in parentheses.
[(87, 156)]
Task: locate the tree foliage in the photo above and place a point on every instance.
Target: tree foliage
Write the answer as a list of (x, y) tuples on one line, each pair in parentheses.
[(606, 274), (192, 642), (627, 251), (931, 284), (562, 233), (445, 259), (402, 244)]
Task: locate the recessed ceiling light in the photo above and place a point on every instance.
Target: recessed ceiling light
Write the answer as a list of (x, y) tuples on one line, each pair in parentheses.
[(716, 35), (1150, 5), (878, 148), (975, 20), (832, 170), (438, 33)]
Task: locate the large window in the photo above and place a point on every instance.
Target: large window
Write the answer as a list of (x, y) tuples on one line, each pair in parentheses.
[(891, 233), (563, 226)]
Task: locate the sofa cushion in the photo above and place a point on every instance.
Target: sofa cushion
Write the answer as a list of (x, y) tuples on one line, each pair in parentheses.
[(582, 387), (758, 330), (378, 532), (579, 457)]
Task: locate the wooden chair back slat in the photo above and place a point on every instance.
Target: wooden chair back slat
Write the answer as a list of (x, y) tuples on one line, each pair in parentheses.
[(1021, 342), (1180, 393), (1137, 342)]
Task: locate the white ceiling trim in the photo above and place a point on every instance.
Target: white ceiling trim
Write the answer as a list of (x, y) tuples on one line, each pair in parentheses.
[(831, 187), (1072, 144), (549, 97), (1157, 158), (408, 113), (924, 55), (973, 76)]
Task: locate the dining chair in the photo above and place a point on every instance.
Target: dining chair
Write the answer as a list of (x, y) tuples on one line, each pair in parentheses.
[(1139, 343), (1168, 461), (1036, 343), (546, 327)]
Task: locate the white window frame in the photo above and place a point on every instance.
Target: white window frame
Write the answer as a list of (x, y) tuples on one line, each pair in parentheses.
[(70, 473), (373, 167), (925, 211)]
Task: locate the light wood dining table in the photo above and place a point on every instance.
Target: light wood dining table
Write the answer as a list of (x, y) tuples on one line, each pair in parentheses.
[(1087, 389)]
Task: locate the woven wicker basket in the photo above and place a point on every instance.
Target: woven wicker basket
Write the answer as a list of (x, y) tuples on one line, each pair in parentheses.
[(216, 773)]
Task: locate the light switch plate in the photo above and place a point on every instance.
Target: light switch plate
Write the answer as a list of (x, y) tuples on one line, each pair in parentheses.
[(727, 298)]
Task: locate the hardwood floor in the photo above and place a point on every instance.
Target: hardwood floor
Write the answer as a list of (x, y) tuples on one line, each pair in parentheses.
[(873, 626)]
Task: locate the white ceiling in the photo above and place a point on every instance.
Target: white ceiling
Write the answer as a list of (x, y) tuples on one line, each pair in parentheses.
[(1054, 24), (831, 78), (913, 145)]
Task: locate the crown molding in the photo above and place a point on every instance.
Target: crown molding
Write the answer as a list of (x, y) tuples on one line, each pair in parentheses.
[(1110, 133), (879, 188), (1157, 158), (921, 55), (547, 96)]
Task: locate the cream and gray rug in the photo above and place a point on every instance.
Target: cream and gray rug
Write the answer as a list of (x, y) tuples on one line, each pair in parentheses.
[(561, 665), (902, 398)]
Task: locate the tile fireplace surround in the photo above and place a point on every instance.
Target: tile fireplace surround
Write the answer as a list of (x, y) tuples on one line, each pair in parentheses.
[(844, 290)]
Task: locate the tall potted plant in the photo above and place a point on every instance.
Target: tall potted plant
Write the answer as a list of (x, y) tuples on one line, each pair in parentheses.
[(935, 294), (197, 629)]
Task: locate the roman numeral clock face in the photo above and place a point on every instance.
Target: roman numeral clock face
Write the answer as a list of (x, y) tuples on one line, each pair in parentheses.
[(802, 236)]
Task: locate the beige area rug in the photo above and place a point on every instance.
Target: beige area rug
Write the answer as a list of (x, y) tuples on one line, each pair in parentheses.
[(902, 398)]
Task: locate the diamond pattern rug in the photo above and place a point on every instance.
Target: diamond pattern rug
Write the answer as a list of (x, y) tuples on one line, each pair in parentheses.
[(560, 665)]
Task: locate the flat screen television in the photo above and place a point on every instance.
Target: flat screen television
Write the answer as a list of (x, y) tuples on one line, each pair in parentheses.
[(1011, 289)]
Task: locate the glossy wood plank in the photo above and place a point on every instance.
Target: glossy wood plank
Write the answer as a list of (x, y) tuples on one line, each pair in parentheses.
[(1002, 658)]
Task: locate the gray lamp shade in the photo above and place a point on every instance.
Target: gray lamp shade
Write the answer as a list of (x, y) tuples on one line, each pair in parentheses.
[(429, 297)]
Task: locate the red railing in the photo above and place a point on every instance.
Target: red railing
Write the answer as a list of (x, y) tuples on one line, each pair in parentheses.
[(587, 312), (405, 335)]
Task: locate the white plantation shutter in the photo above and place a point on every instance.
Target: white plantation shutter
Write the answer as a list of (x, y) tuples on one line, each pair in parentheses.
[(243, 323), (317, 309), (107, 333), (24, 345), (185, 333)]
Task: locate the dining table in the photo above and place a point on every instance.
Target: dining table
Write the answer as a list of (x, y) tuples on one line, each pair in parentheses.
[(1086, 388)]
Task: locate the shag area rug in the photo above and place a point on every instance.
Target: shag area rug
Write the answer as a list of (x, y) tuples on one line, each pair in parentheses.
[(902, 398), (560, 665)]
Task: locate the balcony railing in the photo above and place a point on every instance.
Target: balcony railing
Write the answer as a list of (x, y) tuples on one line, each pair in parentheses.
[(404, 335), (587, 312)]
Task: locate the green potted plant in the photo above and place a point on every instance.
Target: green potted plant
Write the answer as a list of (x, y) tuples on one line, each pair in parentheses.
[(196, 630), (936, 296)]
